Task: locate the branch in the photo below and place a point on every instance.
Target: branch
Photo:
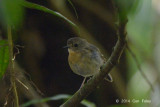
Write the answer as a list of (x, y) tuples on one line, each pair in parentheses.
[(75, 100)]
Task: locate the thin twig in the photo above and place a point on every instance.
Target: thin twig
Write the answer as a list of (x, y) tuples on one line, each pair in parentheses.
[(7, 96), (18, 52), (139, 67), (22, 84)]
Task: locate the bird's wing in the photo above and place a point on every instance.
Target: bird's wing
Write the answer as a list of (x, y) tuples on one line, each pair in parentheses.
[(93, 48)]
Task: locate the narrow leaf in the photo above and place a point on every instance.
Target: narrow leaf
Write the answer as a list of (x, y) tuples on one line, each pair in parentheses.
[(4, 57), (57, 97), (45, 9)]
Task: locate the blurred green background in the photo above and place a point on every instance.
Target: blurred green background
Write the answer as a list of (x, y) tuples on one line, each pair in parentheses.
[(43, 60)]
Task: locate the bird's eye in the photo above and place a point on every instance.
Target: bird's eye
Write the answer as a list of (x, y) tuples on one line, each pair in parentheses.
[(75, 45)]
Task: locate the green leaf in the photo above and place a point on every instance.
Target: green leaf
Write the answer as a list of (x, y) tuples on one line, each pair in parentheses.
[(45, 9), (4, 57), (57, 97), (11, 12)]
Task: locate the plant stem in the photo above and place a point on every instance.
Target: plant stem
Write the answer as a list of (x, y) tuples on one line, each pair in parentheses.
[(11, 68)]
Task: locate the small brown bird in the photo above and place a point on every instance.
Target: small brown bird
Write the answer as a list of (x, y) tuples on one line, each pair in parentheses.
[(84, 58)]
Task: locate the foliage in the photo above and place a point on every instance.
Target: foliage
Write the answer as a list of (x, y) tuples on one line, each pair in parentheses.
[(57, 97), (11, 12), (4, 57)]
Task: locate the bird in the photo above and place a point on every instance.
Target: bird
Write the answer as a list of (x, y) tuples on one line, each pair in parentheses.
[(84, 58)]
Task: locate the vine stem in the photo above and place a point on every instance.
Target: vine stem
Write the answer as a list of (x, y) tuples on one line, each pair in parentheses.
[(11, 67)]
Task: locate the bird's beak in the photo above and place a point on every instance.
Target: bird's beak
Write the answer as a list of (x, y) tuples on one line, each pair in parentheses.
[(66, 47)]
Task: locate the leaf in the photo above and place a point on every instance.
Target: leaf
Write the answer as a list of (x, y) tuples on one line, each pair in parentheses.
[(11, 12), (4, 57), (57, 97), (45, 9)]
